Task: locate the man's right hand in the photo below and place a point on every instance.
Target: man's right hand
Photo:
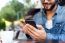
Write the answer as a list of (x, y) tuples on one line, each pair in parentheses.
[(36, 34)]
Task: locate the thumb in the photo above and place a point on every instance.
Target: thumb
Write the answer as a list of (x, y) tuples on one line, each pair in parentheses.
[(40, 27)]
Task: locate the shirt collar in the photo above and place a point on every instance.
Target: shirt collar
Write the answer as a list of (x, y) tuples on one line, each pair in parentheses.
[(57, 10)]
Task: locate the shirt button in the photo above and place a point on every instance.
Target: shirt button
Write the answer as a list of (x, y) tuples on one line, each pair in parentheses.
[(60, 25)]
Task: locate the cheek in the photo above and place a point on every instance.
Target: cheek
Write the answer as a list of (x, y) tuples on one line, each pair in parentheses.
[(53, 1)]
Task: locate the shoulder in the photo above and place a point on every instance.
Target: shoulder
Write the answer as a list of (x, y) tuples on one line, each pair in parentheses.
[(32, 12), (60, 10), (63, 12)]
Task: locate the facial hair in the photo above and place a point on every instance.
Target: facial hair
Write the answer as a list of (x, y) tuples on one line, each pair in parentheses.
[(52, 7)]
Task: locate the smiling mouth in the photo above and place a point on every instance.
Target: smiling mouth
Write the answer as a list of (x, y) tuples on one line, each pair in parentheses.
[(47, 5)]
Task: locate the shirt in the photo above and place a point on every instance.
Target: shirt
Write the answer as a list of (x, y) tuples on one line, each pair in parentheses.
[(57, 32)]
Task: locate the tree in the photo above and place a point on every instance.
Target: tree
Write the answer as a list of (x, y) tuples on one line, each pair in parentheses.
[(2, 24), (28, 5), (14, 11), (9, 14), (18, 7)]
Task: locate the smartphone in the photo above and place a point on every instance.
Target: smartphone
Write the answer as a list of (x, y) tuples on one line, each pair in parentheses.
[(31, 22)]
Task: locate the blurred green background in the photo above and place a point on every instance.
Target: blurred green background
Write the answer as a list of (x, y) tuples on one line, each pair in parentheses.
[(14, 11)]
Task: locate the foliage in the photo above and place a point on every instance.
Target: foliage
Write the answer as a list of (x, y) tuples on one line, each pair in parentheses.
[(8, 13), (2, 24), (15, 10)]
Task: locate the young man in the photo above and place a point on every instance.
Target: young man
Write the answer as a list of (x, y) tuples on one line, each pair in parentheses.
[(50, 22)]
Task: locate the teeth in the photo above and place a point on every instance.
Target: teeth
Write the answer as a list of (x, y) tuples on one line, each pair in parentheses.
[(47, 6)]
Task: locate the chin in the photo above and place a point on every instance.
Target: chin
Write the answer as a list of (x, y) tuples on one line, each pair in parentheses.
[(47, 9)]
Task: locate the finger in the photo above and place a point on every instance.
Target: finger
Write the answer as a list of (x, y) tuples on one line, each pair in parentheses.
[(25, 29), (35, 32), (34, 36), (22, 23), (31, 31), (31, 27), (40, 27)]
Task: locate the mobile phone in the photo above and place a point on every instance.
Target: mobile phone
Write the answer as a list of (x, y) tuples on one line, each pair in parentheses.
[(31, 22)]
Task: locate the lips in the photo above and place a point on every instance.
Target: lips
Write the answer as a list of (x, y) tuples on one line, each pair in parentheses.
[(47, 5)]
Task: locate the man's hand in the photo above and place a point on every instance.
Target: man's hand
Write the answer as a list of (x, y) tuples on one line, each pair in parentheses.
[(36, 34)]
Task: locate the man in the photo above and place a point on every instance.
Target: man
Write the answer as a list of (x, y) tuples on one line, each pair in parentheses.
[(50, 22)]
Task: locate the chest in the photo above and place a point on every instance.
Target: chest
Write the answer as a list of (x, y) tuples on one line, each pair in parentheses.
[(56, 23)]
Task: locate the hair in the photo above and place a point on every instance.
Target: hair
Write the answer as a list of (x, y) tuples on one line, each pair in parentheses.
[(31, 13), (61, 2)]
